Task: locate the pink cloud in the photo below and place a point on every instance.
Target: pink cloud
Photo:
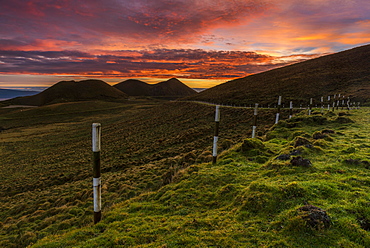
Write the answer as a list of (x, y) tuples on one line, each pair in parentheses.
[(101, 20)]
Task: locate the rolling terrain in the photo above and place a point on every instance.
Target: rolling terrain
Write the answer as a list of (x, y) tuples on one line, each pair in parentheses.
[(246, 200), (303, 182), (46, 157), (346, 73), (170, 88), (161, 190)]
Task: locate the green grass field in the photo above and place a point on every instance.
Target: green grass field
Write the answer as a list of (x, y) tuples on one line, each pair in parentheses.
[(46, 162), (160, 189)]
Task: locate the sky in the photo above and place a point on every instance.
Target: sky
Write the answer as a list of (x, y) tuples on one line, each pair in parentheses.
[(201, 42)]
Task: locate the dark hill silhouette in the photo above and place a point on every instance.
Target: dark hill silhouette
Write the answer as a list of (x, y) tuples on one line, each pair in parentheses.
[(347, 73), (134, 87), (170, 88), (67, 91)]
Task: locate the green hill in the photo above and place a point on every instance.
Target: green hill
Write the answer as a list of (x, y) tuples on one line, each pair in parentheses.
[(68, 91), (159, 188), (346, 73), (257, 195), (170, 88), (46, 157)]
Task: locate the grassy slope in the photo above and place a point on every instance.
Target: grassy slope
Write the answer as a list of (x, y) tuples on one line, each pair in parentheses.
[(246, 201), (45, 162)]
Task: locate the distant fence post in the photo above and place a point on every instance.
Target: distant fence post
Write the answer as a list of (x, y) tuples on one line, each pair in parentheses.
[(96, 147), (290, 110), (278, 110), (322, 104), (254, 121), (310, 107), (215, 138), (328, 103), (348, 106)]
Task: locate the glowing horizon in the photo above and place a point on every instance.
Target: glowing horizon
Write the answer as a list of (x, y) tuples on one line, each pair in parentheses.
[(202, 43)]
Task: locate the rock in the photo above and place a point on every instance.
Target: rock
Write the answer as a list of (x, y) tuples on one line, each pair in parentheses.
[(310, 146), (295, 153), (300, 141), (283, 157), (299, 161), (318, 135), (327, 131), (315, 217)]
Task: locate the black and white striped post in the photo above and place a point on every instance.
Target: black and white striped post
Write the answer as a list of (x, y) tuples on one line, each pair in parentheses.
[(290, 110), (254, 121), (322, 104), (215, 138), (328, 103), (310, 107), (96, 147), (278, 110)]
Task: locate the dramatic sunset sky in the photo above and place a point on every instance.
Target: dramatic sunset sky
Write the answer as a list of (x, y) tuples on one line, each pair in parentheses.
[(201, 42)]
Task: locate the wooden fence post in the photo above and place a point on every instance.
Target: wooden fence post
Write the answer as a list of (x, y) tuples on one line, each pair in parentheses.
[(215, 138), (342, 104), (290, 110), (96, 147), (278, 110), (310, 107), (348, 107), (254, 121), (334, 101)]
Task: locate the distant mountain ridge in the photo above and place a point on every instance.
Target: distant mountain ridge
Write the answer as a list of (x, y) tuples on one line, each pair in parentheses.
[(9, 93), (170, 88), (66, 91), (346, 73)]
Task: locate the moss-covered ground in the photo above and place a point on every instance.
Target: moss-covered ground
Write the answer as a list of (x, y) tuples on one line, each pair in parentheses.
[(46, 157), (255, 196)]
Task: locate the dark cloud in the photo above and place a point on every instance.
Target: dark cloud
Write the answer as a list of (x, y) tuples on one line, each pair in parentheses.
[(190, 63)]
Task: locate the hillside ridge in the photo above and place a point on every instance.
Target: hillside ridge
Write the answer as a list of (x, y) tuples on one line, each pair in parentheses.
[(346, 73), (170, 88), (66, 91)]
